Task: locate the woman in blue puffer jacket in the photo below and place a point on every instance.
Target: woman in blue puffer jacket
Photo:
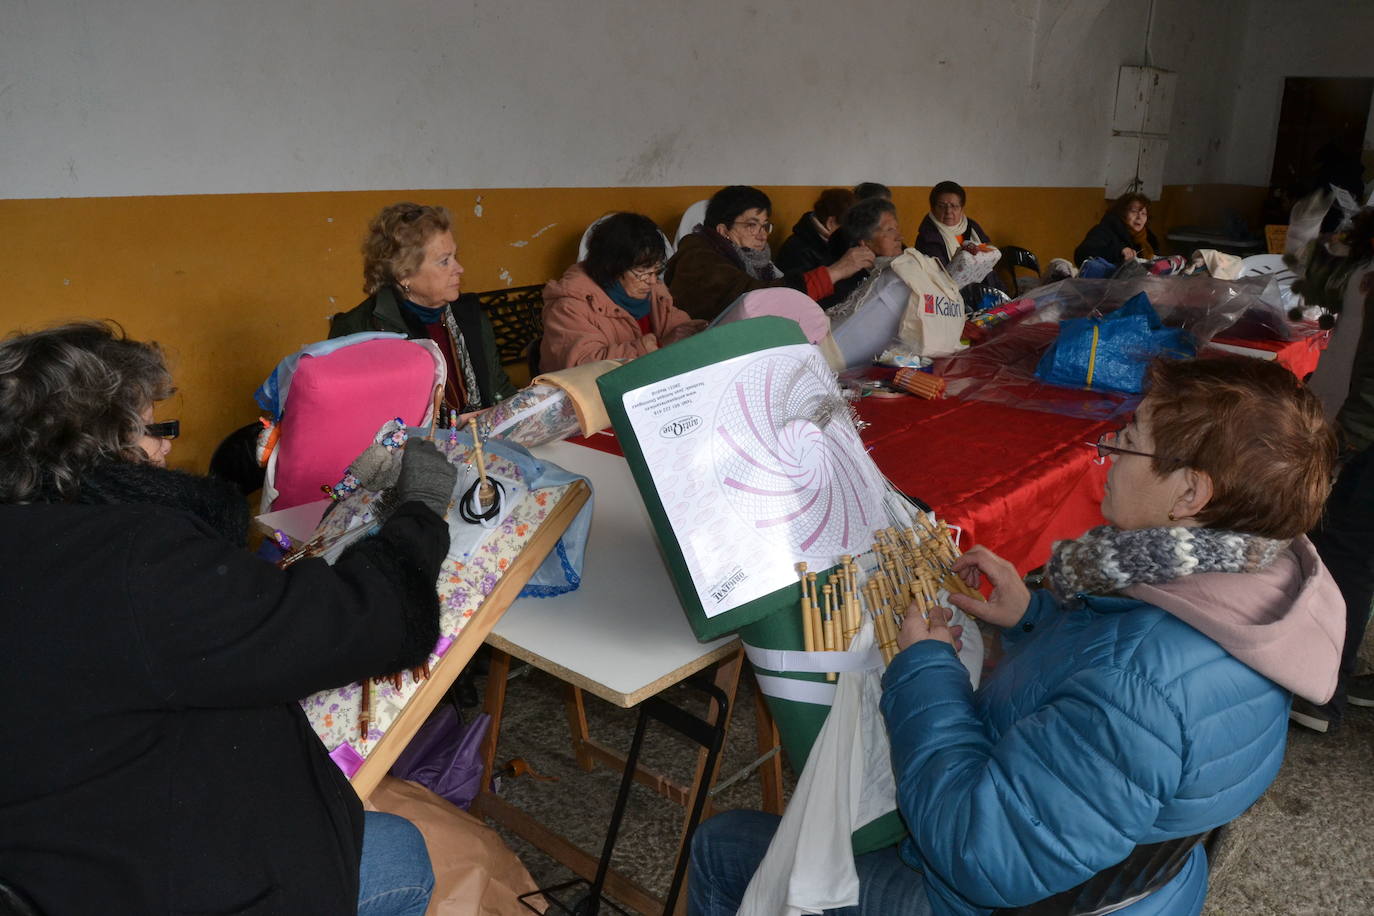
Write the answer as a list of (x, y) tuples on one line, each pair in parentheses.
[(1144, 697)]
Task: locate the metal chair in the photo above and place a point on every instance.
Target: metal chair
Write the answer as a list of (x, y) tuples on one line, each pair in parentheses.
[(517, 318), (710, 734)]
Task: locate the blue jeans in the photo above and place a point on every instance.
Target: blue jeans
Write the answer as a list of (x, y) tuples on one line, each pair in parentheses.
[(728, 848), (395, 878)]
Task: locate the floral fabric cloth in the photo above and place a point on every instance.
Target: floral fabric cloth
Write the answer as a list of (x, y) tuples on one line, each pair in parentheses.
[(465, 580)]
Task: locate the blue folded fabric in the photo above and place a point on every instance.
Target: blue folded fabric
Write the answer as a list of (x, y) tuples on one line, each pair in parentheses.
[(1096, 269), (561, 570), (1111, 353)]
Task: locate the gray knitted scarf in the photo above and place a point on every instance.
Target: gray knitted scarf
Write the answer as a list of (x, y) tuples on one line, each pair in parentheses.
[(758, 262), (1107, 559)]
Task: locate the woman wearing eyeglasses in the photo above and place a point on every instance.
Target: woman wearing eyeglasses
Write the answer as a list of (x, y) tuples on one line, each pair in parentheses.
[(1143, 698), (612, 305), (1122, 235), (156, 757), (727, 256), (946, 227)]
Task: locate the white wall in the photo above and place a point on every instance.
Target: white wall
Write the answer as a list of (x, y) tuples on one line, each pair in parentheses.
[(190, 96), (1283, 38)]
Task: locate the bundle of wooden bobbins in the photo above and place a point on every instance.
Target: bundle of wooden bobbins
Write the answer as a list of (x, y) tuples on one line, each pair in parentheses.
[(921, 384), (905, 567)]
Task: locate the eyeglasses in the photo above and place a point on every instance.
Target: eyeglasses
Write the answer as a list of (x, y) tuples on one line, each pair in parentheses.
[(645, 274), (167, 429), (754, 225), (950, 206), (1104, 450), (1137, 211)]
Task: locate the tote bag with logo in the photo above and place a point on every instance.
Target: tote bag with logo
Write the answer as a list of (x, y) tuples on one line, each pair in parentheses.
[(934, 317)]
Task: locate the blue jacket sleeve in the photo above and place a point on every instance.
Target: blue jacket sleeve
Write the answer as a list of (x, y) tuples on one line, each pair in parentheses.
[(1042, 605), (1005, 820)]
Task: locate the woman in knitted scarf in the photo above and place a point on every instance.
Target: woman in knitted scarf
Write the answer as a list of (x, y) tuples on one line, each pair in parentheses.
[(1143, 699), (727, 255), (947, 226)]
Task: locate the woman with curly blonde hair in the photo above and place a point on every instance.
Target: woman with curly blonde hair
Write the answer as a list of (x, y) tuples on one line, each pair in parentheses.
[(412, 279)]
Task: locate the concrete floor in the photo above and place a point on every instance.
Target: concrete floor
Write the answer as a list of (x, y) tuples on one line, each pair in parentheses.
[(1302, 849)]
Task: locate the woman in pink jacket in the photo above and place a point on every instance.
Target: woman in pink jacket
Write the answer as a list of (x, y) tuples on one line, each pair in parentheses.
[(612, 305)]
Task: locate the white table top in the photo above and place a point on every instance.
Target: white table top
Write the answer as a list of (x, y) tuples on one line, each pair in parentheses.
[(622, 635)]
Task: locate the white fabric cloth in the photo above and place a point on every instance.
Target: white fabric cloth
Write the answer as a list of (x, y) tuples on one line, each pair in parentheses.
[(809, 866), (847, 783), (873, 325)]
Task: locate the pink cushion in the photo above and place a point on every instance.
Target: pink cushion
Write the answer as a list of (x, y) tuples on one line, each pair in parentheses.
[(785, 303), (336, 405)]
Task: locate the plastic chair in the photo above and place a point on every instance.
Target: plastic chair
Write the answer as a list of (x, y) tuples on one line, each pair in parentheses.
[(695, 214), (668, 248), (1258, 265), (1013, 257), (336, 403)]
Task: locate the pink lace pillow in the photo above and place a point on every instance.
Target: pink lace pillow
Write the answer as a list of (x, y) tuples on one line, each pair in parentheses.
[(337, 403)]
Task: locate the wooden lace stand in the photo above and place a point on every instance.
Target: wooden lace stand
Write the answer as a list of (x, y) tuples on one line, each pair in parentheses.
[(423, 701)]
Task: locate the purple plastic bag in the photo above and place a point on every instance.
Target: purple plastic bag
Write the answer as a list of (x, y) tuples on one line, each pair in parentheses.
[(445, 756)]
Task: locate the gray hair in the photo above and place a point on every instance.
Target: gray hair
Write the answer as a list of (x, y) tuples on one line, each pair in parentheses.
[(861, 220), (72, 397)]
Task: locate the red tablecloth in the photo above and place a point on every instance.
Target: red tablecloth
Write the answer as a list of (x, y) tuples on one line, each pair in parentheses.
[(1300, 355), (1015, 480)]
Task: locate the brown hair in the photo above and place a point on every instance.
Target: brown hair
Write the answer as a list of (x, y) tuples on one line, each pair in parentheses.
[(1123, 203), (1255, 430), (396, 239), (832, 202)]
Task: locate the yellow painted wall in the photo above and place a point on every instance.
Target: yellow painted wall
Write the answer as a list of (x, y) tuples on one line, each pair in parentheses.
[(229, 284)]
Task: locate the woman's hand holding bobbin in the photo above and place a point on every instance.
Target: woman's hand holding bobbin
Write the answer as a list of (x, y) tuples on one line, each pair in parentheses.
[(915, 628), (1009, 599)]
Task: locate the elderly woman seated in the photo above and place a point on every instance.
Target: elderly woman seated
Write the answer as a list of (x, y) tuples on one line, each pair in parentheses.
[(412, 277), (1122, 235), (808, 247), (947, 226), (612, 305), (872, 224), (1143, 699), (157, 759), (727, 256)]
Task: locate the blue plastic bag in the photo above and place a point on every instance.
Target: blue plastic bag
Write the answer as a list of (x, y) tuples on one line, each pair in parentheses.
[(1111, 353)]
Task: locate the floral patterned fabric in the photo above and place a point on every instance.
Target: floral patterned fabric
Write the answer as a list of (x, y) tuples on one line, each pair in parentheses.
[(465, 579)]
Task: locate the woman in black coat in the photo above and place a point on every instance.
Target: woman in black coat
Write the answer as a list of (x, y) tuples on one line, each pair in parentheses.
[(1122, 235), (156, 758)]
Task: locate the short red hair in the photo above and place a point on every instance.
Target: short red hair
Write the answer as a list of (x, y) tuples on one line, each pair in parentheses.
[(1255, 430)]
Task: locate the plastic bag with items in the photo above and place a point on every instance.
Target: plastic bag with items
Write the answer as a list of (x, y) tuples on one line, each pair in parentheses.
[(1002, 369)]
